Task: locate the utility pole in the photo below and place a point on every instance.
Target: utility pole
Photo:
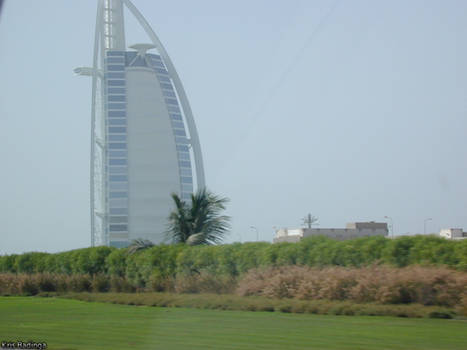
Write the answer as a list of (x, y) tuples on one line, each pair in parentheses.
[(257, 232), (424, 224)]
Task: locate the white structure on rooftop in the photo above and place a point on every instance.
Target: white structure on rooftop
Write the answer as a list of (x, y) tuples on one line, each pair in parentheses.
[(453, 233), (352, 230), (144, 143)]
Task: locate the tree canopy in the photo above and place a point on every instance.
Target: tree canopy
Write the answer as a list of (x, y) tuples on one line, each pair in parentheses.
[(199, 221)]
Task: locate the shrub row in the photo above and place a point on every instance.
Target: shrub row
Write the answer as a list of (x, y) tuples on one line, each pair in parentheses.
[(381, 284), (375, 284), (159, 263), (232, 302), (32, 284)]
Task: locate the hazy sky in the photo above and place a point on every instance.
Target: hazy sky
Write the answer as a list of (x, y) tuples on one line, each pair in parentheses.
[(350, 112)]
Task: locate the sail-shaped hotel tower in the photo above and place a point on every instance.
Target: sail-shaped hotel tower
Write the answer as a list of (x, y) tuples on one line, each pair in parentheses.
[(144, 143)]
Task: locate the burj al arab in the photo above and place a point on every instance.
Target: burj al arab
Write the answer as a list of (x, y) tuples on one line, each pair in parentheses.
[(144, 142)]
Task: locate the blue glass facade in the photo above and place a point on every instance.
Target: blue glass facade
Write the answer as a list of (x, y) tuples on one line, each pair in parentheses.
[(116, 175), (178, 126), (116, 157)]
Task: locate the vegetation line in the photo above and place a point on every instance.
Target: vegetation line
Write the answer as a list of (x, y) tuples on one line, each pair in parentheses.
[(236, 259), (233, 302)]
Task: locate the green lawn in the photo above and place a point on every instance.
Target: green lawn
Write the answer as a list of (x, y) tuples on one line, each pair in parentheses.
[(72, 324)]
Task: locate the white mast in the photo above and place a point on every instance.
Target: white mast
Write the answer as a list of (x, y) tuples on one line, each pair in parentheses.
[(113, 25)]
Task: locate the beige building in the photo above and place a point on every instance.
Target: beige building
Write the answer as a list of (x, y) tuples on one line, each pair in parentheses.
[(453, 233), (352, 230)]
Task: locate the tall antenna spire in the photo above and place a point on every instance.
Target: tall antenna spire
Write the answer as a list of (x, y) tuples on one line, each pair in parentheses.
[(113, 25)]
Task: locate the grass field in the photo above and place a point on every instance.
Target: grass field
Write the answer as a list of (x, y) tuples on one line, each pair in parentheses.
[(72, 324)]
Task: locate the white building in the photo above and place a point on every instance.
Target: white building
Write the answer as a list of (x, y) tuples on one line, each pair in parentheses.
[(453, 233), (352, 230), (144, 143)]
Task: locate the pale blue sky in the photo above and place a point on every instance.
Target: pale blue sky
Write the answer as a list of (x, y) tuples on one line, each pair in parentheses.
[(360, 118)]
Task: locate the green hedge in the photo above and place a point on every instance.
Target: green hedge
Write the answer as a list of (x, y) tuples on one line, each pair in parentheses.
[(163, 261)]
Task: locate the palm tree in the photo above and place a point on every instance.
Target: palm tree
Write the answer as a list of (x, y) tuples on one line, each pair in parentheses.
[(138, 245), (198, 222)]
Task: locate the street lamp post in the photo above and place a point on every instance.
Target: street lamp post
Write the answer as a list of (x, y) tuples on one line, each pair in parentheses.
[(392, 225), (257, 233), (424, 224)]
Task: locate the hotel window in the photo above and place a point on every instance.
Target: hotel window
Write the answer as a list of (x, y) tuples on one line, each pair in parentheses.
[(118, 114), (179, 132), (117, 130), (117, 228), (117, 137), (157, 63), (166, 86), (118, 219), (117, 121), (118, 154), (186, 180), (117, 162), (118, 178), (182, 148), (175, 116), (185, 172), (117, 170), (115, 75), (118, 211), (117, 98), (112, 67), (186, 196), (171, 101), (118, 195), (187, 188), (117, 145), (168, 93), (177, 124), (115, 53), (173, 109), (118, 186), (183, 140), (115, 60), (116, 82), (117, 106), (116, 90), (163, 78), (184, 155), (118, 203), (184, 164)]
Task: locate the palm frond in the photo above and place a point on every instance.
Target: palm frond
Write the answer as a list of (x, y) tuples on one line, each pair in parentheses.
[(138, 245), (198, 222), (195, 239)]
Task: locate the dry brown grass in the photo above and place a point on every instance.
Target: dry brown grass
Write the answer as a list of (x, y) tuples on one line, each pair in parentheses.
[(369, 285), (263, 304), (381, 284), (204, 283), (32, 284)]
